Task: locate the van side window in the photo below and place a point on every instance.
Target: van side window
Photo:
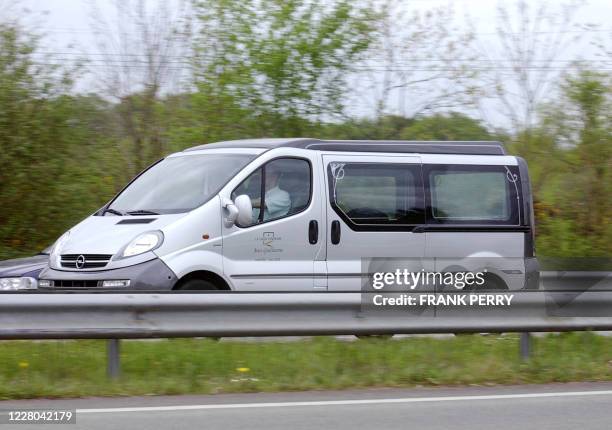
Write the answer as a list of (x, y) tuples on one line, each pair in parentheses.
[(280, 188), (473, 194), (377, 195)]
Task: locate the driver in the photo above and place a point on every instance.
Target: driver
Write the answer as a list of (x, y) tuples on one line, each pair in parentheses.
[(277, 201)]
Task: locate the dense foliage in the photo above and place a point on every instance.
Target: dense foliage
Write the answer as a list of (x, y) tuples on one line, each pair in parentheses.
[(280, 72)]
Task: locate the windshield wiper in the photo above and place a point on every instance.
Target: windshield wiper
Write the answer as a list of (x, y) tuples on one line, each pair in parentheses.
[(142, 212), (113, 211)]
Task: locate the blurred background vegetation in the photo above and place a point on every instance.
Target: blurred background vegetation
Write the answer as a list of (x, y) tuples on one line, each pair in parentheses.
[(227, 69)]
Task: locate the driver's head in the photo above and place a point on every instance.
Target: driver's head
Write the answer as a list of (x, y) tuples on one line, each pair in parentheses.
[(272, 177)]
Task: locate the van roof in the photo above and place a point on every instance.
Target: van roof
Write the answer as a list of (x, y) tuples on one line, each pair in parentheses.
[(399, 146)]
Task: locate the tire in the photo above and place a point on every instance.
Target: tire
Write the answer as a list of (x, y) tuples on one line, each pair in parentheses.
[(492, 283), (374, 336), (197, 285)]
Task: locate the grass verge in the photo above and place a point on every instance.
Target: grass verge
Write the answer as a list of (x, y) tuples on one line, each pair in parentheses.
[(187, 366)]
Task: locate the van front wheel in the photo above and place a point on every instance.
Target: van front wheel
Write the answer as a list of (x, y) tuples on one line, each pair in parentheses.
[(197, 285), (374, 336)]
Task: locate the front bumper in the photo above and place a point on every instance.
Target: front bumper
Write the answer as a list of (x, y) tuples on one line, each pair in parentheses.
[(150, 275)]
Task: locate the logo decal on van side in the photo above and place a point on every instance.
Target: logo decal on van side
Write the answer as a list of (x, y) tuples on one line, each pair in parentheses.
[(268, 240)]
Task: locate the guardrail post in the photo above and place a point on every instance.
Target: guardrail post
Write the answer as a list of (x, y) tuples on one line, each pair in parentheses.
[(525, 343), (113, 364)]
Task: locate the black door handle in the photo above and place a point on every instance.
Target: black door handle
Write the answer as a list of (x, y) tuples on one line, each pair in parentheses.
[(335, 232), (313, 232)]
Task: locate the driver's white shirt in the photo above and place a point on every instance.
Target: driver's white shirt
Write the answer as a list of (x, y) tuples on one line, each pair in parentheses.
[(277, 203)]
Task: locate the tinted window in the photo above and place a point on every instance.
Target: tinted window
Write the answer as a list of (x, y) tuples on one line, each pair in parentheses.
[(376, 193), (473, 194), (281, 188)]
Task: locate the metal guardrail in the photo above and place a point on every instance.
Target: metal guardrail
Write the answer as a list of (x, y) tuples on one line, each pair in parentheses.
[(558, 307), (94, 316)]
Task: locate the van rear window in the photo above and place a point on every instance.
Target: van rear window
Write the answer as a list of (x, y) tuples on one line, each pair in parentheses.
[(474, 194)]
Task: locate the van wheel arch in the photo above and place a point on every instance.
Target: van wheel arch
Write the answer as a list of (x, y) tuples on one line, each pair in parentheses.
[(202, 280), (494, 282)]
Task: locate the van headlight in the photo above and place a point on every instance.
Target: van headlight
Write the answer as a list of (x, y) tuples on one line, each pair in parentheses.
[(142, 243), (14, 284)]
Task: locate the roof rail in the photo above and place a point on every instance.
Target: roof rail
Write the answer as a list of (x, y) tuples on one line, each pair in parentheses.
[(404, 146), (389, 146)]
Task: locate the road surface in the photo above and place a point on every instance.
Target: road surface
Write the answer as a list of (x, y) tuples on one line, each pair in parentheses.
[(583, 406)]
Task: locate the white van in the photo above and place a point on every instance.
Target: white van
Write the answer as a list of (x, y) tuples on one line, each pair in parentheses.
[(301, 215)]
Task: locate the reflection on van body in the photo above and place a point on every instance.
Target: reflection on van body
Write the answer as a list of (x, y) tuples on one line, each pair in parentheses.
[(302, 215)]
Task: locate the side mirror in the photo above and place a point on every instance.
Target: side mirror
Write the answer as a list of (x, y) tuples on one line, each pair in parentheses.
[(245, 210), (231, 213)]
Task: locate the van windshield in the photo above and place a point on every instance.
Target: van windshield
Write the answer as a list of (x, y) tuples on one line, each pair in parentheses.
[(178, 184)]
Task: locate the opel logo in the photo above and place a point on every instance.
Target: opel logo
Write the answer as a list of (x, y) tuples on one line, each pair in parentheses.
[(80, 262)]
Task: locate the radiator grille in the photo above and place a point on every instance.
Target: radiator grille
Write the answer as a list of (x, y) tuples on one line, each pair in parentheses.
[(85, 261)]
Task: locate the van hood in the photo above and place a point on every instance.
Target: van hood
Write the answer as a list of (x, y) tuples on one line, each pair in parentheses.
[(107, 234)]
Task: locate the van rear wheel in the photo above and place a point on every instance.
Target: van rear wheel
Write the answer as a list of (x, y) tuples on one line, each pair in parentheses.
[(492, 283)]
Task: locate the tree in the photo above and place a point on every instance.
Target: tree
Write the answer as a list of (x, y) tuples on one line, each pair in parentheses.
[(581, 123), (277, 64), (140, 55), (38, 139), (418, 63), (531, 42), (387, 127), (452, 126)]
